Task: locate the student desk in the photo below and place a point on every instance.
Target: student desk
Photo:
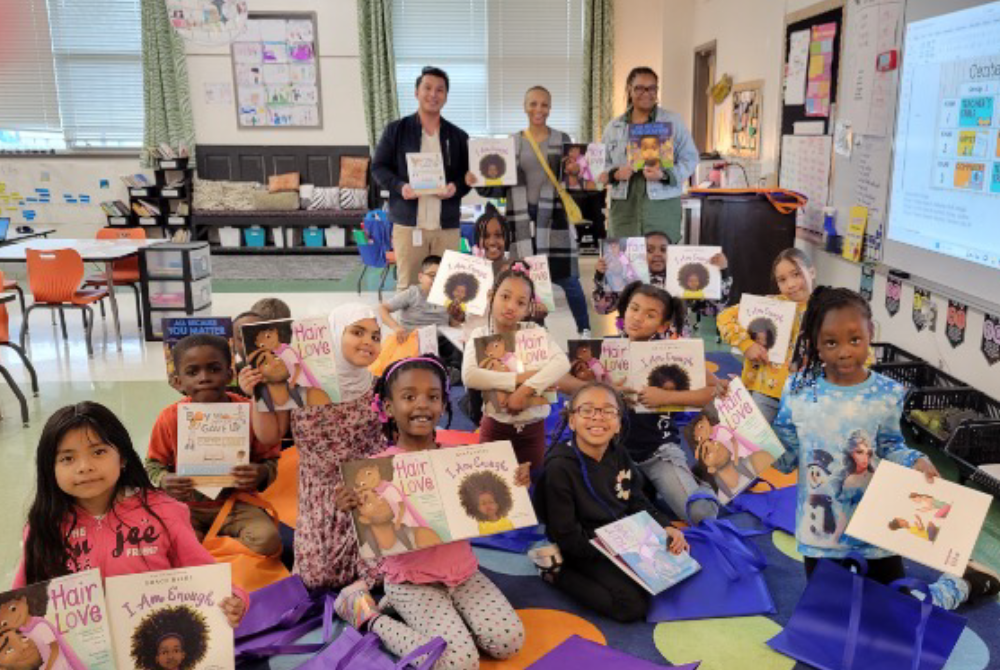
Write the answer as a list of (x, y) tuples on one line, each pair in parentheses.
[(91, 251), (14, 238)]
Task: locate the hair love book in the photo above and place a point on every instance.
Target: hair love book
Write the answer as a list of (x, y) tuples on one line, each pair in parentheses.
[(172, 619), (61, 623), (419, 499), (625, 261), (462, 279), (934, 524), (638, 545), (769, 322), (296, 360), (671, 365)]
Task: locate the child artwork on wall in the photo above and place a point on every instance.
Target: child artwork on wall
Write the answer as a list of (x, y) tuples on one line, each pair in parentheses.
[(746, 110)]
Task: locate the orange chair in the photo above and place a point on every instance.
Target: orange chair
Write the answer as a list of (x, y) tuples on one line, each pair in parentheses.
[(5, 342), (124, 272), (11, 285), (54, 279)]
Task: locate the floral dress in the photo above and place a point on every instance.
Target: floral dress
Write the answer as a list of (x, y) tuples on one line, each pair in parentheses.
[(326, 547)]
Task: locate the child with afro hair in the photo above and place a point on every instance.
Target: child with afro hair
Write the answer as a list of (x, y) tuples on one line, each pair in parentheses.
[(171, 638), (485, 497)]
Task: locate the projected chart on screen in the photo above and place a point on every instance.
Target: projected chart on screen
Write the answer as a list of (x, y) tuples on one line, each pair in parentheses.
[(946, 166)]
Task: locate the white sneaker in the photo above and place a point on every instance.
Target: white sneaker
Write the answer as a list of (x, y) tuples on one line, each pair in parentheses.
[(585, 334), (548, 559)]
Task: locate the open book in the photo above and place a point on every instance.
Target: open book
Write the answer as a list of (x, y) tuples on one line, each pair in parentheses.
[(420, 499), (638, 545)]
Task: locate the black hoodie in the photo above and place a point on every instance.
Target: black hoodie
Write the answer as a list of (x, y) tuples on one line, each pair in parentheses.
[(572, 513)]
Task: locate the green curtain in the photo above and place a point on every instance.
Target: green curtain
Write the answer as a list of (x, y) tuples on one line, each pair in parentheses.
[(378, 66), (598, 67), (166, 93)]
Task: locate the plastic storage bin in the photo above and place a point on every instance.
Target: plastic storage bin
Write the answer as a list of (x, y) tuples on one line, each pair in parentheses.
[(974, 444), (917, 374), (336, 237), (229, 236), (312, 237), (254, 237), (890, 353), (944, 404), (171, 293), (292, 237), (278, 237), (164, 261)]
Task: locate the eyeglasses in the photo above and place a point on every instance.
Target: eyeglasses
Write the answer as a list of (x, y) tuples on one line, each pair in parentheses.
[(589, 412), (646, 89)]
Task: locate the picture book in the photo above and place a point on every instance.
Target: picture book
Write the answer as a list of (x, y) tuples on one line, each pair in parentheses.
[(854, 240), (770, 323), (426, 172), (691, 274), (212, 438), (419, 499), (614, 358), (650, 144), (625, 258), (732, 443), (934, 524), (159, 617), (531, 347), (496, 353), (463, 279), (61, 623), (493, 161), (638, 545), (175, 330), (538, 270), (672, 365), (296, 359), (581, 166), (585, 360)]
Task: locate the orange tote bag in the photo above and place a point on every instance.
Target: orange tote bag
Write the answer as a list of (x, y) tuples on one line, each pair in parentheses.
[(251, 570)]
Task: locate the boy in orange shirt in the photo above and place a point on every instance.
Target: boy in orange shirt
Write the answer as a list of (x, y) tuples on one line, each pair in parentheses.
[(202, 371)]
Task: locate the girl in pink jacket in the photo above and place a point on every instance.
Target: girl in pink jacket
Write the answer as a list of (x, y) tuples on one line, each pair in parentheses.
[(90, 476)]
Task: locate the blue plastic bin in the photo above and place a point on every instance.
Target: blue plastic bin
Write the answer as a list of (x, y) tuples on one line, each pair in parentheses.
[(255, 237), (313, 237)]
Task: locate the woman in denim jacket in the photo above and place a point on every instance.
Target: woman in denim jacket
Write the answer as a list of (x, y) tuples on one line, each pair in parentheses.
[(647, 200)]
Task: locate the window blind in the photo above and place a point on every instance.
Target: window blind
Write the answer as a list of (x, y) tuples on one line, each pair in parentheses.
[(493, 51), (29, 101)]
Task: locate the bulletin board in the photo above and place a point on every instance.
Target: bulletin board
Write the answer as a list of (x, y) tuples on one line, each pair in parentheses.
[(276, 72), (792, 113), (747, 102)]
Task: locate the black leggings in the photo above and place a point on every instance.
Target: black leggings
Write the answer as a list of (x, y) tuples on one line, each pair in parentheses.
[(882, 570), (602, 587)]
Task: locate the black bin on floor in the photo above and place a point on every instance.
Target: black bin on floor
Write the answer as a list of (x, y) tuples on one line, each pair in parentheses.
[(752, 226)]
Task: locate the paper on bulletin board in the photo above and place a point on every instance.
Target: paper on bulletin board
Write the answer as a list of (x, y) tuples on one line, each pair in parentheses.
[(805, 168), (808, 128), (871, 160), (819, 81), (843, 138), (218, 94), (872, 28), (795, 68)]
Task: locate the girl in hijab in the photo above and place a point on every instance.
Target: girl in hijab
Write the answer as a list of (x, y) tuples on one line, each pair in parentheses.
[(326, 552)]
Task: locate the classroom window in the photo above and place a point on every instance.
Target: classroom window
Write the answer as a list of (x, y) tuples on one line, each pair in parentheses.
[(72, 75), (493, 51)]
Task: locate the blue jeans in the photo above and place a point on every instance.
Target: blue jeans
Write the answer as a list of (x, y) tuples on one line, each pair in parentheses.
[(576, 299), (669, 472), (767, 405)]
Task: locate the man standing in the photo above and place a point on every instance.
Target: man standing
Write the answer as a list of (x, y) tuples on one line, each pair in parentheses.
[(423, 225)]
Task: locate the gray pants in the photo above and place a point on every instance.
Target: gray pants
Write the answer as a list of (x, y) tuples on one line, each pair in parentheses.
[(670, 473), (767, 405), (471, 616)]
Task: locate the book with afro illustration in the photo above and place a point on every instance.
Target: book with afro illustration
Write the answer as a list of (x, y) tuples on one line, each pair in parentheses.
[(672, 365), (770, 323), (462, 279), (493, 161), (414, 500), (172, 619), (692, 274)]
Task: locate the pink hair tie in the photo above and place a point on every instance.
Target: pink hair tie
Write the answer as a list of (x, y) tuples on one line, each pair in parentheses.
[(518, 266)]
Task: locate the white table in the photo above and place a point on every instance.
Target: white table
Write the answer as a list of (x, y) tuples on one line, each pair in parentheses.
[(91, 251)]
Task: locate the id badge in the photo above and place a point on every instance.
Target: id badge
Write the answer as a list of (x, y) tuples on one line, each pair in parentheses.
[(418, 237)]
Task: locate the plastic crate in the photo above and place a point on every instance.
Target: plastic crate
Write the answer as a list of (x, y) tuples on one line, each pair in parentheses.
[(917, 375), (313, 237), (947, 398), (890, 353), (255, 236), (973, 444)]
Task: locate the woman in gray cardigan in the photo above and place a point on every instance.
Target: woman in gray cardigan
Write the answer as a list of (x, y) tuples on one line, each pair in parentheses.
[(646, 200), (534, 198)]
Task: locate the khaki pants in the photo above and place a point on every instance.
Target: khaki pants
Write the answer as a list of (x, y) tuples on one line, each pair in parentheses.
[(249, 524), (409, 256)]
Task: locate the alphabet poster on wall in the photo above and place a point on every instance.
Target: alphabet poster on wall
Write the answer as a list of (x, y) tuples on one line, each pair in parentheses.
[(276, 71)]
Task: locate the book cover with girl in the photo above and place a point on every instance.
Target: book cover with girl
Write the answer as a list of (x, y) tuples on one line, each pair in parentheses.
[(212, 439), (934, 524), (614, 358), (581, 165), (531, 346), (296, 360), (538, 270), (732, 443), (672, 365), (769, 322), (638, 545), (175, 330), (691, 275), (426, 171), (462, 279), (585, 360), (171, 619), (412, 501), (626, 262), (60, 624), (493, 161), (650, 145), (495, 352)]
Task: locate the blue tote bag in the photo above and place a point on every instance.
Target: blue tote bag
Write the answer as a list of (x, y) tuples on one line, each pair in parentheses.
[(774, 508), (845, 621), (729, 583)]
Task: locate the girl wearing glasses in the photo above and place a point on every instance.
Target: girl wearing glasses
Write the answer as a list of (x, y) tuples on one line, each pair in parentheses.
[(587, 483), (646, 200)]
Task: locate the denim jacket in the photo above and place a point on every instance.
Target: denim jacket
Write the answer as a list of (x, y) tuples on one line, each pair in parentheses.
[(615, 140)]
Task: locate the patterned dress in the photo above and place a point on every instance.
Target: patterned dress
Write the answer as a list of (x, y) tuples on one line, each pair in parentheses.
[(326, 548)]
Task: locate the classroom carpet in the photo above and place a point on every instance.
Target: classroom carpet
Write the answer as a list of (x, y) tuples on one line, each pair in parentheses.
[(720, 644)]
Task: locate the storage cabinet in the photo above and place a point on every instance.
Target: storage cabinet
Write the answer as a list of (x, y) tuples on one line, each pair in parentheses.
[(176, 281)]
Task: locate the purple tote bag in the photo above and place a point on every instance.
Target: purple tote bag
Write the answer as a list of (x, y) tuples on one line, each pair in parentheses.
[(582, 654)]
